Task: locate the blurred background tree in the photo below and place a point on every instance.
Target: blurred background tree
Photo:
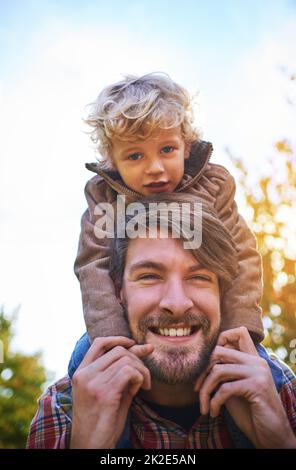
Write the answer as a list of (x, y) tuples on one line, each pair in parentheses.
[(271, 201), (272, 205), (22, 378)]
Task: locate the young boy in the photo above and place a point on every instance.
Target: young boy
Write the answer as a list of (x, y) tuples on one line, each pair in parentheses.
[(144, 130)]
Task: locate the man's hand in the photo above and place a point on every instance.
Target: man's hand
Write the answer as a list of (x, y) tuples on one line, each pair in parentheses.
[(242, 381), (104, 385)]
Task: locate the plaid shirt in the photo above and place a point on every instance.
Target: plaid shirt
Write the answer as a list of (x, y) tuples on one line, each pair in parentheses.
[(51, 426)]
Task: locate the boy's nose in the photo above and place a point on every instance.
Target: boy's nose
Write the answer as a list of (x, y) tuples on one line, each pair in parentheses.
[(154, 167)]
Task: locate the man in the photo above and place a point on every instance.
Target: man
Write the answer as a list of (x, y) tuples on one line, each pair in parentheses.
[(177, 383)]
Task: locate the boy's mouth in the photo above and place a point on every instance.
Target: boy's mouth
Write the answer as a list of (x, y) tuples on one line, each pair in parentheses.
[(157, 186)]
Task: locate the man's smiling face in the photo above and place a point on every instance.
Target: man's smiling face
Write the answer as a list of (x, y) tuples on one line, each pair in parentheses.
[(173, 303)]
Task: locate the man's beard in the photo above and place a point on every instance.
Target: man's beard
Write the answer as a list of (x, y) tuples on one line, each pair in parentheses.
[(173, 364)]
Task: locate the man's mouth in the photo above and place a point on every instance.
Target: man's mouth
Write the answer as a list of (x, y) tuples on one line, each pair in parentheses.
[(173, 332)]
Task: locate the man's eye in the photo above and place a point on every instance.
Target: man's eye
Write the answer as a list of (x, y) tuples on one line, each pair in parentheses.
[(167, 149), (148, 277), (134, 156), (199, 277)]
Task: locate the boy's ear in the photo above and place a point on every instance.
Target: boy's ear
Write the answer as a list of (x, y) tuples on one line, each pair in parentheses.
[(113, 164), (110, 159), (187, 151)]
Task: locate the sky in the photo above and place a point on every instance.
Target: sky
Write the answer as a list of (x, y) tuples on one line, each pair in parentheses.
[(55, 57)]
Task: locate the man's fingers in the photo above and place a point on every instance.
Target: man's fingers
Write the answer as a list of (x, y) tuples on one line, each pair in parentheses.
[(109, 354), (237, 388), (141, 350), (110, 357), (126, 362), (199, 382), (128, 380), (101, 345), (232, 356), (220, 373), (238, 338)]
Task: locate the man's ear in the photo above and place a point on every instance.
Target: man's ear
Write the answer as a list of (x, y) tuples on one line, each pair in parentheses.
[(187, 150), (118, 290)]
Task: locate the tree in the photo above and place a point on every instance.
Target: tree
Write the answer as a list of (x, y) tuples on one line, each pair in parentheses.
[(272, 202), (21, 382)]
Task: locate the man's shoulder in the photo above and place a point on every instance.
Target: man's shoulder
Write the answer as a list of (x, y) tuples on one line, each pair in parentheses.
[(63, 385), (287, 371), (50, 427), (59, 394), (282, 373)]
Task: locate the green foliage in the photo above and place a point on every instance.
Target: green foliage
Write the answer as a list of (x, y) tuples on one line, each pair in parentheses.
[(272, 202), (21, 380)]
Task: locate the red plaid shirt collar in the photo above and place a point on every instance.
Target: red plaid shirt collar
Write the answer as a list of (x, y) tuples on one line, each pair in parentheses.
[(151, 431)]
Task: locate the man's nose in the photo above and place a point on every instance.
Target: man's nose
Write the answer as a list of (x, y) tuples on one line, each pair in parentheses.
[(155, 166), (175, 298)]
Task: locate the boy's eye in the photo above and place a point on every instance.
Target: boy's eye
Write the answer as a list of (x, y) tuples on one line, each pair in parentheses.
[(167, 149), (134, 156)]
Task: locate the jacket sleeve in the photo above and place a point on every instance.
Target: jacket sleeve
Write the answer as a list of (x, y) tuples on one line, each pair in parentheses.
[(103, 313), (240, 305)]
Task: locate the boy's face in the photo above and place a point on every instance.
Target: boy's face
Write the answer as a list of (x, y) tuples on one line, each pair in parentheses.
[(154, 165)]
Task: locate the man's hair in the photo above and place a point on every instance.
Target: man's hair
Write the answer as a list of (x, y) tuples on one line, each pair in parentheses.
[(216, 252), (135, 107)]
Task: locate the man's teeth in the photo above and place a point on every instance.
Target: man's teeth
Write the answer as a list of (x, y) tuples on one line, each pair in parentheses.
[(174, 331)]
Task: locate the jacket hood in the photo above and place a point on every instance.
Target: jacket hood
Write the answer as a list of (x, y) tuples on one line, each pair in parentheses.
[(199, 157)]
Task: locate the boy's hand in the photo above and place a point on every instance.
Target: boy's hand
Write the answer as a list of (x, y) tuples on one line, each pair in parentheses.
[(104, 385), (242, 381)]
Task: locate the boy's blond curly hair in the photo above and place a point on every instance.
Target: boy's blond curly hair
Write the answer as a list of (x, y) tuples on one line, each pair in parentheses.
[(137, 106)]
